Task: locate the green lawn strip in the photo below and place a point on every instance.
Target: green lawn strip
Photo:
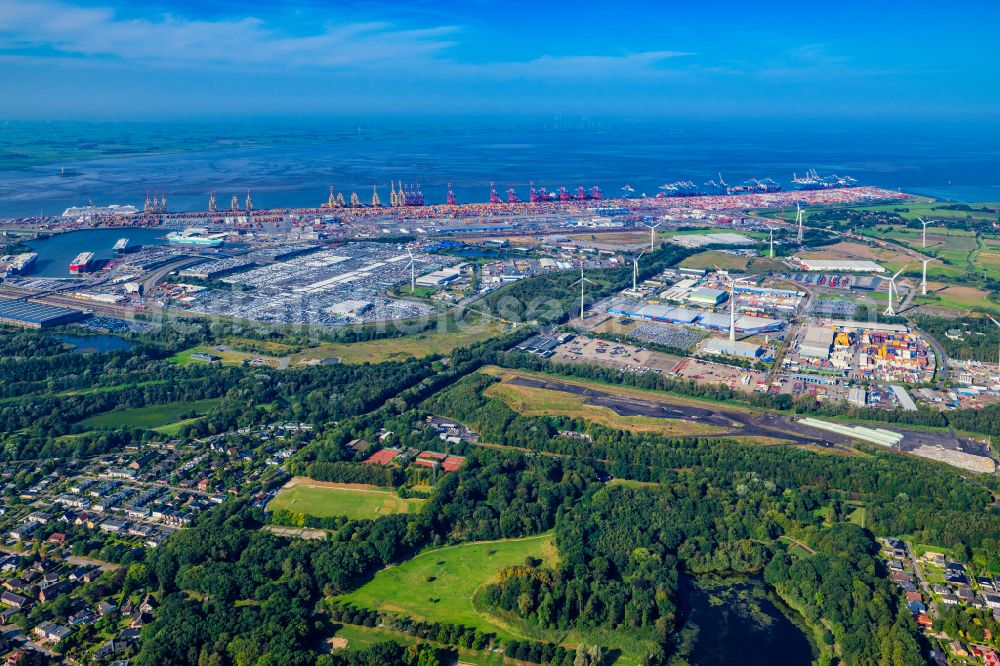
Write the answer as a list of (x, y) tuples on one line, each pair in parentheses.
[(150, 416)]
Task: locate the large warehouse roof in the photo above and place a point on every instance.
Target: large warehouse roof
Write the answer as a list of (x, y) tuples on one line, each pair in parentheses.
[(36, 314), (834, 265)]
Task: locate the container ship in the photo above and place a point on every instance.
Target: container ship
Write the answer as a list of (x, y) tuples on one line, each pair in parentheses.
[(81, 263), (19, 263), (813, 181), (193, 236), (682, 188), (121, 247), (755, 186)]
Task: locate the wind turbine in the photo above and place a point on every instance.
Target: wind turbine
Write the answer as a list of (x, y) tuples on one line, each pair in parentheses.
[(798, 219), (923, 237), (582, 281), (771, 230), (889, 311), (923, 282), (413, 272), (998, 324), (732, 302), (635, 269), (651, 236)]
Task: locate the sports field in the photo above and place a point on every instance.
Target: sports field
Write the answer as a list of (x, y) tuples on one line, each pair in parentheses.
[(325, 500), (151, 416), (439, 584)]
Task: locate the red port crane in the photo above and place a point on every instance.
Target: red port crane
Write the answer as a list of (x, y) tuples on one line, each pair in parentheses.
[(452, 201), (494, 197)]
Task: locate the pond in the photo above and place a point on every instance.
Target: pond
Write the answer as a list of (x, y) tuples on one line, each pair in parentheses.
[(737, 622), (88, 344)]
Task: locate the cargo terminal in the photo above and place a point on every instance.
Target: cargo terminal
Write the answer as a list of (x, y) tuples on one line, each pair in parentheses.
[(864, 351)]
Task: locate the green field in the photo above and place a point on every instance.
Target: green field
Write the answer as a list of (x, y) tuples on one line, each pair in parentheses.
[(357, 502), (395, 349), (439, 584), (151, 416), (229, 357)]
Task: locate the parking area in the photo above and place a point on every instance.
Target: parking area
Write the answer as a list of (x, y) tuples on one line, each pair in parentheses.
[(614, 355)]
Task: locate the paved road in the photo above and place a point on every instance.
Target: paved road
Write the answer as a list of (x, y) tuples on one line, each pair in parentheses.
[(918, 572)]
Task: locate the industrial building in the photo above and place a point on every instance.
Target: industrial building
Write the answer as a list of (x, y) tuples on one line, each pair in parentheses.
[(702, 240), (723, 347), (866, 283), (655, 312), (905, 401), (349, 308), (439, 278), (839, 265), (36, 315), (707, 297), (816, 342)]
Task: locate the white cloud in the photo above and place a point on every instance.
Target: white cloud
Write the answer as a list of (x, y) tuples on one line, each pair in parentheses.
[(45, 29), (98, 32)]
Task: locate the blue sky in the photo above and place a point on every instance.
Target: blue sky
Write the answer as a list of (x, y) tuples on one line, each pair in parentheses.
[(844, 60)]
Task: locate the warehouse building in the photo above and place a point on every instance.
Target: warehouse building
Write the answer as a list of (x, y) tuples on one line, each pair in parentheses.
[(349, 308), (840, 265), (704, 240), (866, 283), (655, 312), (723, 347), (707, 297), (37, 315), (905, 401), (439, 278), (816, 342)]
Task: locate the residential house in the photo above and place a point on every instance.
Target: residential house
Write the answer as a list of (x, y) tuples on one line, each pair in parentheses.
[(14, 600), (49, 631)]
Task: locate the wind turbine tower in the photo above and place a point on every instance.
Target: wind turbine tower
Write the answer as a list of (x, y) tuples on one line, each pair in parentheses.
[(732, 303), (635, 269), (923, 236), (998, 324), (798, 219), (923, 282), (582, 281), (771, 230), (413, 272), (732, 311), (652, 236), (890, 311)]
